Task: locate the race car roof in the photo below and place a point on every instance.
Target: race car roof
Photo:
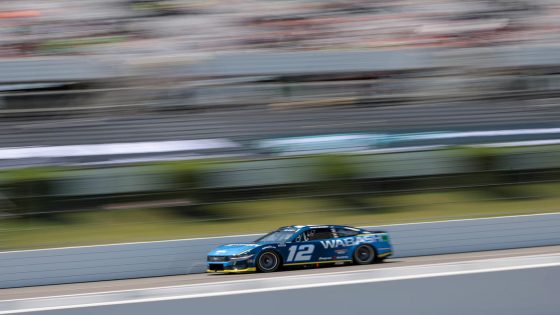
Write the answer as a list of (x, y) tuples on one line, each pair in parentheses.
[(315, 226)]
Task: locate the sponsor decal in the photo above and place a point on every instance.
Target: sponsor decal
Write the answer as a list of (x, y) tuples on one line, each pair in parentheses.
[(342, 257), (350, 241), (336, 243), (290, 230), (325, 258), (341, 251)]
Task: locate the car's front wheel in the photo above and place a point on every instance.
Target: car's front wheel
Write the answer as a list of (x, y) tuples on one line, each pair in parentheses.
[(268, 261), (364, 254)]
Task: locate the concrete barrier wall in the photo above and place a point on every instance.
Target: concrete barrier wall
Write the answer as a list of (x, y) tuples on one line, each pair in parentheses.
[(458, 236), (152, 259)]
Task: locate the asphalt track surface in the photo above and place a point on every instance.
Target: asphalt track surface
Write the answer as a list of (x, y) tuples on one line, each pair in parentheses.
[(207, 279)]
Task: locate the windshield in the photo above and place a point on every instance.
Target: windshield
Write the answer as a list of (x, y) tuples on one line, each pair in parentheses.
[(277, 236)]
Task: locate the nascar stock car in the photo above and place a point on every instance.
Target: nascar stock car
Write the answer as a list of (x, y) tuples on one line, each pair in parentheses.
[(302, 245)]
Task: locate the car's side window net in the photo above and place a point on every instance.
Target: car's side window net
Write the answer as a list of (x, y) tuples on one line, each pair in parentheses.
[(314, 234), (320, 234), (303, 237)]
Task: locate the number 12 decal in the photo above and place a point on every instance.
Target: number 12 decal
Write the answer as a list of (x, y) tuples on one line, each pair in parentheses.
[(300, 253)]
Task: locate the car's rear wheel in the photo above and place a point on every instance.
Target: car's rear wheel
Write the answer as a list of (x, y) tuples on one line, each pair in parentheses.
[(268, 261), (364, 254)]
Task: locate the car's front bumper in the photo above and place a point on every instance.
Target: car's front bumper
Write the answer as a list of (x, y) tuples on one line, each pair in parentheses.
[(232, 266), (251, 269)]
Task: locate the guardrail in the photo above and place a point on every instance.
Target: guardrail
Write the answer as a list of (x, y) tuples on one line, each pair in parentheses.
[(174, 257)]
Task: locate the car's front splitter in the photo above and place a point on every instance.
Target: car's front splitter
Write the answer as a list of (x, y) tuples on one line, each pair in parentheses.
[(253, 269)]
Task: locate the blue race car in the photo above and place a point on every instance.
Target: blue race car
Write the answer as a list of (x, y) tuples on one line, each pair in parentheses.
[(302, 245)]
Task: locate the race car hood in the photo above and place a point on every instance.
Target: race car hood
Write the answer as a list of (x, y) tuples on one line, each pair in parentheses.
[(232, 249)]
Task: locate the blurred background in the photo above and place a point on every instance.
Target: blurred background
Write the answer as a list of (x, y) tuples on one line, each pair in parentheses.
[(146, 120)]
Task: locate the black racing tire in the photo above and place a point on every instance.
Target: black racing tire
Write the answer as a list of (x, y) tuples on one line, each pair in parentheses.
[(364, 255), (268, 261)]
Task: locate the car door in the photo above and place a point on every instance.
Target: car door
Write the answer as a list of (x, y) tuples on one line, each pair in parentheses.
[(310, 246)]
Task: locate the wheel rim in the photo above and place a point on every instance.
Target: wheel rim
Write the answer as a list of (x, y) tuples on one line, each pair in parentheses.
[(364, 254), (268, 261)]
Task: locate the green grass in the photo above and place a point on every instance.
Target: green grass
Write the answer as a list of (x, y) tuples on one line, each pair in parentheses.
[(104, 226)]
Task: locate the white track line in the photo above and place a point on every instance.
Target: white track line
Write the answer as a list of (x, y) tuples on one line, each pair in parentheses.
[(301, 286), (273, 276)]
